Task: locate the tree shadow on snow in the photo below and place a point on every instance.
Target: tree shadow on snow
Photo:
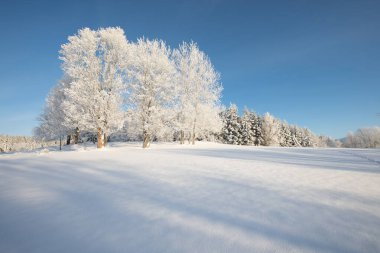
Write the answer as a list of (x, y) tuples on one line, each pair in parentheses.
[(331, 160), (121, 208)]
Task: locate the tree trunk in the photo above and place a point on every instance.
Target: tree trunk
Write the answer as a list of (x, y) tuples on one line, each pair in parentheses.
[(193, 134), (100, 138), (76, 136), (182, 137), (296, 141), (146, 140), (105, 139), (68, 141), (60, 142)]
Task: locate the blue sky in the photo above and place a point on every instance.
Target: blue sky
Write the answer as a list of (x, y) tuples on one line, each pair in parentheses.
[(313, 63)]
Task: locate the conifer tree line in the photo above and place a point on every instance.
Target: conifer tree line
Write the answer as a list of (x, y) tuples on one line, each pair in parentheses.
[(143, 89), (266, 130)]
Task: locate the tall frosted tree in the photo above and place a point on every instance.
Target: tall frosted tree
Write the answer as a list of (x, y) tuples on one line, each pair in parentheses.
[(270, 130), (95, 62), (198, 92), (52, 118), (150, 74)]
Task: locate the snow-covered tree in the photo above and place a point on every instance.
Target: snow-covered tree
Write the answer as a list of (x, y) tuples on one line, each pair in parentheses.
[(370, 137), (20, 143), (327, 141), (296, 136), (231, 126), (150, 74), (208, 121), (246, 128), (52, 118), (309, 139), (270, 130), (363, 138), (256, 124), (285, 135), (94, 61), (198, 92)]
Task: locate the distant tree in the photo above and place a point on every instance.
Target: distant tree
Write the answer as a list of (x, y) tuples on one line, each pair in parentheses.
[(231, 126), (363, 138), (20, 143), (326, 141), (270, 130), (52, 118), (208, 122), (256, 124), (285, 135), (247, 131), (308, 138)]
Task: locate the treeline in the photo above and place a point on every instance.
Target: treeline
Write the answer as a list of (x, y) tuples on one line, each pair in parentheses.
[(22, 143), (363, 138), (266, 130)]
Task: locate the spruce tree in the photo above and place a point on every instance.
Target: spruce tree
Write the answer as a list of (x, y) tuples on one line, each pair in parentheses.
[(246, 129), (256, 128), (231, 127)]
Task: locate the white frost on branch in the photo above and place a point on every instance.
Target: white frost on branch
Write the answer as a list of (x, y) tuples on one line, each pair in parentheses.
[(94, 60), (198, 92)]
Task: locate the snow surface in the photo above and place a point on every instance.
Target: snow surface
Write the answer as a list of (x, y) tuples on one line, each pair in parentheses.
[(202, 198)]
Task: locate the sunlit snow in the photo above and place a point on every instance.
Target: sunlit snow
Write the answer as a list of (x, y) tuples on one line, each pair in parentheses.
[(202, 198)]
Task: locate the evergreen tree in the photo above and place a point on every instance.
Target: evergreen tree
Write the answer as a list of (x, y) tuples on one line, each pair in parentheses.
[(285, 135), (231, 126), (256, 128), (246, 129)]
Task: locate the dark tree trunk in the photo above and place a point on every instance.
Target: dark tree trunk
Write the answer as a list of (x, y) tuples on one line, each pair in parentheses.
[(68, 141), (105, 139), (60, 142), (182, 137), (76, 136)]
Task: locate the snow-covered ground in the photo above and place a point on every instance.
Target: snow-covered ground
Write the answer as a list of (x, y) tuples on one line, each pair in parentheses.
[(202, 198)]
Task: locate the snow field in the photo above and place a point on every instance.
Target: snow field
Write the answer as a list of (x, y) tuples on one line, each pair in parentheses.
[(202, 198)]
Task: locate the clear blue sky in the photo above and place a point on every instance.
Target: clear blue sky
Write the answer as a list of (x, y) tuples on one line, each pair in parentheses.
[(314, 63)]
